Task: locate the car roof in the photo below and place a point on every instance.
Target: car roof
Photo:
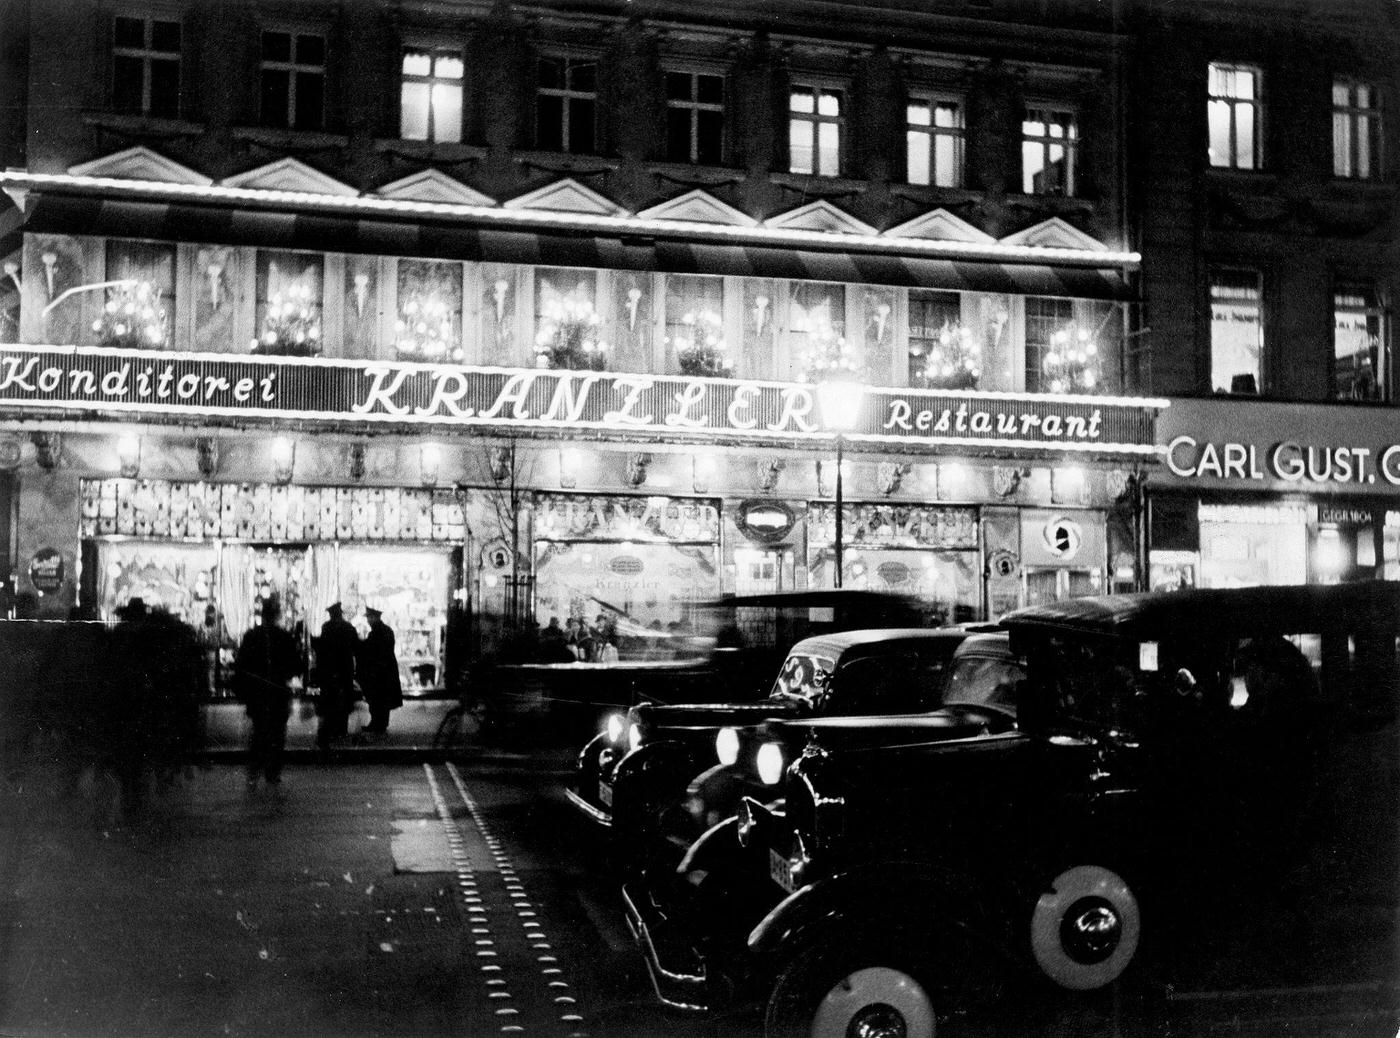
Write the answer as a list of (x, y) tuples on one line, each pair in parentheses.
[(1210, 611), (991, 644), (841, 642)]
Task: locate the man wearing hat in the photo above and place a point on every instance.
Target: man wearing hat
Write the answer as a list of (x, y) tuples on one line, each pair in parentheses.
[(379, 672), (335, 665), (267, 661)]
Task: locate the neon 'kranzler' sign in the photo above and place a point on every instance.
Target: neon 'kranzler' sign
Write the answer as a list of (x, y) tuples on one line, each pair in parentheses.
[(213, 386)]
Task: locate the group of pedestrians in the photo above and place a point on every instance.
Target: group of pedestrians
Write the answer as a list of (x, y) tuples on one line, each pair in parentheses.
[(269, 658)]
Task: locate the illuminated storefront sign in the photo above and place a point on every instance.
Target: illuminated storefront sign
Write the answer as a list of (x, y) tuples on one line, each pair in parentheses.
[(1288, 460), (215, 385)]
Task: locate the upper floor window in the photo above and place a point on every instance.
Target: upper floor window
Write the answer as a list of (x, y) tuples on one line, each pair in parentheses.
[(1356, 129), (941, 354), (1049, 150), (431, 95), (1361, 352), (566, 106), (695, 325), (1236, 331), (934, 141), (815, 122), (146, 66), (1234, 111), (290, 288), (694, 117), (293, 80), (139, 309), (568, 327), (1071, 345)]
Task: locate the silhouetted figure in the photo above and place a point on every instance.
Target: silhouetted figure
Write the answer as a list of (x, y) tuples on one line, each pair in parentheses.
[(267, 660), (379, 672), (335, 662), (178, 684), (131, 716), (553, 646)]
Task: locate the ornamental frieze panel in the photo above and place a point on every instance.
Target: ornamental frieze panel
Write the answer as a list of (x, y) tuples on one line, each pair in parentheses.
[(890, 526), (606, 517)]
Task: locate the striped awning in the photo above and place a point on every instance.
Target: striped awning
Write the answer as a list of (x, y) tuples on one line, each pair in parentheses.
[(333, 232)]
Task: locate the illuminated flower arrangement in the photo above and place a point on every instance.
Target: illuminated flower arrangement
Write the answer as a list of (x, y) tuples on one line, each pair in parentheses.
[(701, 347), (1071, 365), (568, 337), (953, 359), (424, 330), (291, 326), (133, 317), (829, 357)]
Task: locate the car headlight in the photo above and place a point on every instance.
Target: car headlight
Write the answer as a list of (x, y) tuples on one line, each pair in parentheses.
[(770, 763), (727, 746), (614, 727), (634, 735)]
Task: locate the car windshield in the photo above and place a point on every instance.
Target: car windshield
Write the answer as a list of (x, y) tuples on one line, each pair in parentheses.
[(985, 683), (803, 677)]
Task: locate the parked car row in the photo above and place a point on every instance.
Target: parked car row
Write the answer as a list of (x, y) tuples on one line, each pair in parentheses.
[(1107, 795)]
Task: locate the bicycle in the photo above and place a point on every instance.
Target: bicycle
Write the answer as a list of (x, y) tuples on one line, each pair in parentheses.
[(462, 724)]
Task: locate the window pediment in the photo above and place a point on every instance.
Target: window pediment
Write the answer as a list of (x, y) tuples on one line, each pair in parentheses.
[(289, 175), (1055, 233), (431, 185), (567, 196), (698, 206), (940, 225), (140, 163), (820, 215)]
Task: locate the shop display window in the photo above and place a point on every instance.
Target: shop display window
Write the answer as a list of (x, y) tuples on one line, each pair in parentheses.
[(410, 586), (1243, 546), (948, 581), (429, 323)]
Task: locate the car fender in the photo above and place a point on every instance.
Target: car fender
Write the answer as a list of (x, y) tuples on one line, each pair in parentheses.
[(661, 767), (714, 794), (588, 757), (861, 899)]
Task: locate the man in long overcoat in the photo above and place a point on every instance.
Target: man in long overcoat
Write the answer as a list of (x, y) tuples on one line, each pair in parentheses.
[(266, 663), (335, 665), (379, 672)]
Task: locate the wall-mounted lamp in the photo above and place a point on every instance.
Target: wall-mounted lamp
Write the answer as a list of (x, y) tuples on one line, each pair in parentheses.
[(1069, 485), (48, 449), (129, 455), (952, 480), (284, 456), (702, 470), (570, 461), (429, 463), (206, 454)]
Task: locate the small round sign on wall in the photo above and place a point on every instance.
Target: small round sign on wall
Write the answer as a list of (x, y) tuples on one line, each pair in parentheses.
[(1063, 537), (46, 571)]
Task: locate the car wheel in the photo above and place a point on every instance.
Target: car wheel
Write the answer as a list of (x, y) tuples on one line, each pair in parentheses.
[(1085, 928), (830, 992)]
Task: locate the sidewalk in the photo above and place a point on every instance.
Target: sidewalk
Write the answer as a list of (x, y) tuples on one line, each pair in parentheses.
[(222, 914), (410, 737)]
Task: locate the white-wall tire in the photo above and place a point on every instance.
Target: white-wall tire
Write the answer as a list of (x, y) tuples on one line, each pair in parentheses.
[(1085, 928), (872, 991)]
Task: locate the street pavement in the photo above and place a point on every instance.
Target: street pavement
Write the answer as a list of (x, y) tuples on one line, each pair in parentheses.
[(391, 892)]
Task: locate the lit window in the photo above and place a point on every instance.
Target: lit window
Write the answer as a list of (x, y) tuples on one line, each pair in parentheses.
[(815, 122), (1072, 345), (1234, 111), (934, 140), (1236, 331), (1049, 151), (1356, 130), (940, 355), (695, 324), (290, 287), (139, 307), (694, 117), (293, 80), (431, 95), (566, 105), (146, 67), (1361, 351)]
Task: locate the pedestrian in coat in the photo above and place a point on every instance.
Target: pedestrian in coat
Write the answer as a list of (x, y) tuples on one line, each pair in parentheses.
[(335, 663), (379, 672), (266, 663)]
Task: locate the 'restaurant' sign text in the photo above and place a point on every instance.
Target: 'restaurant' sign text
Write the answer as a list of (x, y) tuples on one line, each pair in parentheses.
[(204, 385)]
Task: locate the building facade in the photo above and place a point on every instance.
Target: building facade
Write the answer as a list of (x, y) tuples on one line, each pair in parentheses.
[(1264, 187), (481, 310)]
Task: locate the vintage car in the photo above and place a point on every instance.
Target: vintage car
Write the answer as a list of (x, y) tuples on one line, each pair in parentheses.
[(750, 761), (636, 769), (733, 642), (1182, 808)]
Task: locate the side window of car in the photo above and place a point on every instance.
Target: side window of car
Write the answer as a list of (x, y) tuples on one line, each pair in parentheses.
[(875, 685)]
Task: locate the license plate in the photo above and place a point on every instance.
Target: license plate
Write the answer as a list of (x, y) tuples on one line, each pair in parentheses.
[(780, 870), (605, 794)]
